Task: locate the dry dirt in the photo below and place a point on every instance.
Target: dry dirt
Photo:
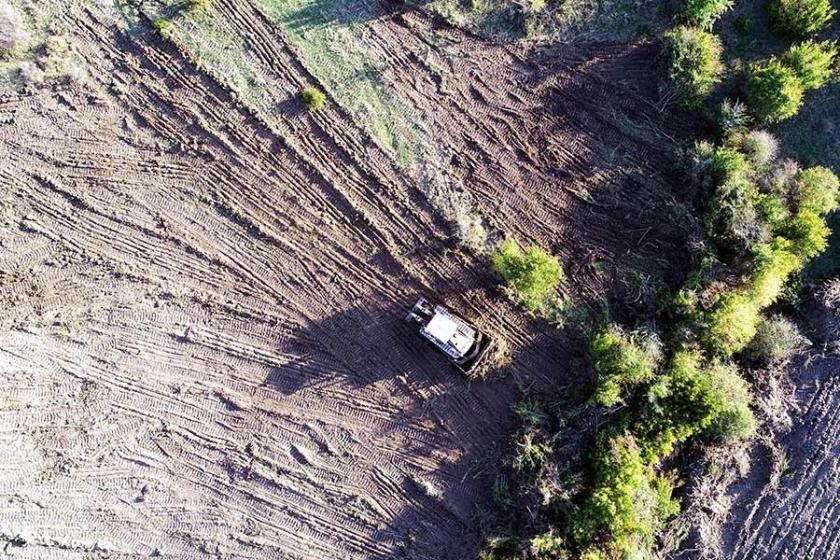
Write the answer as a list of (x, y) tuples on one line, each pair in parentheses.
[(792, 510), (201, 348), (777, 497), (801, 517)]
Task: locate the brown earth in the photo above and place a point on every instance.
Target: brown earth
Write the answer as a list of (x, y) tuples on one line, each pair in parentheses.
[(799, 515), (202, 348), (776, 497)]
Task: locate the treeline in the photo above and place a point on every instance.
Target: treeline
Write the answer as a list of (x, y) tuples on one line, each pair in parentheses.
[(763, 218)]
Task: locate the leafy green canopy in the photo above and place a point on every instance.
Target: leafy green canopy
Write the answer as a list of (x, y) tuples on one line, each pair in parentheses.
[(535, 274), (774, 91), (704, 13), (812, 62), (629, 502), (621, 362), (695, 64), (798, 18)]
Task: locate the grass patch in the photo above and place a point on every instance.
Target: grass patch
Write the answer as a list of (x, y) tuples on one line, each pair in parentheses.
[(333, 39)]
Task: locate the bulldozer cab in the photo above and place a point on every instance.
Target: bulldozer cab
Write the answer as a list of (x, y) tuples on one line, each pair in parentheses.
[(464, 344)]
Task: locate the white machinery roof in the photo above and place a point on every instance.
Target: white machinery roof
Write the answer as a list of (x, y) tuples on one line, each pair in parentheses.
[(442, 327)]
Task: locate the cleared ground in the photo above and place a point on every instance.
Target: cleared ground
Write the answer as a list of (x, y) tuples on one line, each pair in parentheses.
[(797, 514), (201, 346)]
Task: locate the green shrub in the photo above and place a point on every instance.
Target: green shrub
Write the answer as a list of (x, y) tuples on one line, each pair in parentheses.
[(774, 91), (732, 116), (704, 13), (812, 62), (732, 217), (666, 506), (819, 189), (313, 99), (773, 263), (498, 548), (534, 274), (761, 147), (798, 18), (621, 362), (162, 26), (535, 6), (594, 554), (729, 163), (684, 398), (732, 324), (548, 546), (776, 341), (695, 64), (622, 508), (196, 5), (809, 234), (773, 211), (530, 412), (734, 418), (533, 451), (697, 161)]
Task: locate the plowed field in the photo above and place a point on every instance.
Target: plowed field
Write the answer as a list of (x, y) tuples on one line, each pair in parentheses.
[(202, 349)]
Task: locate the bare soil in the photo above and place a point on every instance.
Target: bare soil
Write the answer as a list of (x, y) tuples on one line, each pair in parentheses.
[(776, 497), (201, 348), (801, 517), (798, 514)]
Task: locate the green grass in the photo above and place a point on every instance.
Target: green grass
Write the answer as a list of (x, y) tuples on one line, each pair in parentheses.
[(40, 16), (604, 20), (334, 41)]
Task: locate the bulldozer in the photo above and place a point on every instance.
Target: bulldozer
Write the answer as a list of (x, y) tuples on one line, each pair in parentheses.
[(466, 346)]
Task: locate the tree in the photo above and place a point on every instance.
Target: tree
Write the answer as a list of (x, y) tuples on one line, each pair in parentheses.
[(704, 13), (774, 91), (695, 64), (798, 18), (819, 189), (534, 274), (812, 62)]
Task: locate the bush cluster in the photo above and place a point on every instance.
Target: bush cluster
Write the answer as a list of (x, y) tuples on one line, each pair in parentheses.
[(621, 361), (535, 274), (625, 509), (775, 87), (704, 13), (767, 218), (777, 232), (695, 65), (629, 501), (313, 99), (798, 18)]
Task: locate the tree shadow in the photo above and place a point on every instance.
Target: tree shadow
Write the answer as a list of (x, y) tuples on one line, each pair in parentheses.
[(339, 13)]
